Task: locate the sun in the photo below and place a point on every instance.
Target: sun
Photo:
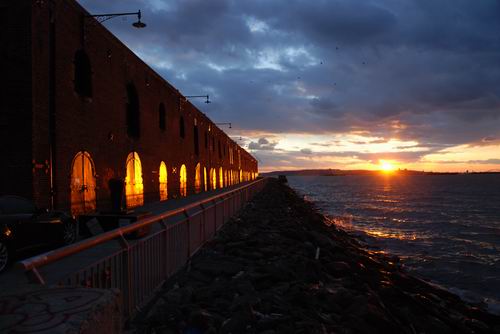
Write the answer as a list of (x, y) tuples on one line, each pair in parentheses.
[(386, 166)]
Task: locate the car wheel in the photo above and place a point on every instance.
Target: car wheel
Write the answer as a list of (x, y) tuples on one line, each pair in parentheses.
[(4, 256), (70, 232)]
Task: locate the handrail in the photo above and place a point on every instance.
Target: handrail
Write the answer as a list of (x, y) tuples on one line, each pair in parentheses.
[(54, 255)]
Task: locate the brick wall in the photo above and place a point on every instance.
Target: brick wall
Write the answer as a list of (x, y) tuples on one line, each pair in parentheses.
[(98, 124), (15, 98)]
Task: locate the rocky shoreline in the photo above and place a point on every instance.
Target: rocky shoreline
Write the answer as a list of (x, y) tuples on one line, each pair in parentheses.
[(279, 268)]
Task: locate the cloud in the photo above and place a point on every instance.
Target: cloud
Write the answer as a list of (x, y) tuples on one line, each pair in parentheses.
[(263, 144), (306, 151), (423, 71)]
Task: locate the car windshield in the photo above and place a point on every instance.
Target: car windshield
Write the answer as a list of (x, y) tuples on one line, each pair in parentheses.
[(16, 205)]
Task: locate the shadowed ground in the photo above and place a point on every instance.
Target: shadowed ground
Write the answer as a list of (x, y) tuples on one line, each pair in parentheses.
[(279, 268)]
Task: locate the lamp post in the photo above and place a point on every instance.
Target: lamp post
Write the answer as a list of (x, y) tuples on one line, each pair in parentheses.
[(104, 17), (226, 123), (207, 97)]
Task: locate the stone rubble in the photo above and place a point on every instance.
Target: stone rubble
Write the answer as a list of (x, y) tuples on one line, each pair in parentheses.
[(279, 268)]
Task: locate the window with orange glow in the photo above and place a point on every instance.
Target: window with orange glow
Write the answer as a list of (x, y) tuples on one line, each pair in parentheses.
[(197, 178), (83, 184), (213, 178), (163, 182), (183, 181), (221, 178), (205, 180), (241, 176), (134, 187)]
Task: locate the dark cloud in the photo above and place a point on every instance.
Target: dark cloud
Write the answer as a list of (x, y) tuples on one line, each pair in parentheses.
[(263, 144), (417, 70), (306, 151)]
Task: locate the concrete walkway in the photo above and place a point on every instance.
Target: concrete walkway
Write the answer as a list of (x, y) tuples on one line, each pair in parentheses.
[(14, 278)]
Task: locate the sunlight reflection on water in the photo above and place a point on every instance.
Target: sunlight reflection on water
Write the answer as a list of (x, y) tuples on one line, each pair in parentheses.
[(445, 228)]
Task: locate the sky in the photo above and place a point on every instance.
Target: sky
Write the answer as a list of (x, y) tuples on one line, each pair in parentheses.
[(342, 84)]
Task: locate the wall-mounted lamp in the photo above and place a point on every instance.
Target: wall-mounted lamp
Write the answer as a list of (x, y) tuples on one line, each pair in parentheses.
[(226, 123), (104, 17), (207, 97)]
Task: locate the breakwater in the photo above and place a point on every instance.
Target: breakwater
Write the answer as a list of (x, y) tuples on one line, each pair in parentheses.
[(278, 268)]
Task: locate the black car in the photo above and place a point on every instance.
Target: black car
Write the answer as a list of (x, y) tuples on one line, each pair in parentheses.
[(23, 227)]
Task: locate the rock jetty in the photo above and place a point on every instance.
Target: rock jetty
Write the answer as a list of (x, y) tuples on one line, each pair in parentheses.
[(279, 268)]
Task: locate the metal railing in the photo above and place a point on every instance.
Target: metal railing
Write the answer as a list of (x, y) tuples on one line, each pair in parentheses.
[(139, 267)]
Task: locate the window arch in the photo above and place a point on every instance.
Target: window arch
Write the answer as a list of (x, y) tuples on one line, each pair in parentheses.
[(134, 187), (133, 112), (83, 184), (196, 140), (213, 178), (221, 178), (162, 117), (163, 181), (197, 178), (182, 131), (83, 74), (183, 181), (205, 180)]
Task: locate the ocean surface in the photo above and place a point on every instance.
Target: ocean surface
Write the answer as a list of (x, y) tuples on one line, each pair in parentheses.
[(445, 228)]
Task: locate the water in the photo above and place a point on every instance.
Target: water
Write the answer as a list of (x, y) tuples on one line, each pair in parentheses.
[(445, 228)]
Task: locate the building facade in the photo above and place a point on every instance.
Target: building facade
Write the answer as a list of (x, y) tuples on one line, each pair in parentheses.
[(83, 116)]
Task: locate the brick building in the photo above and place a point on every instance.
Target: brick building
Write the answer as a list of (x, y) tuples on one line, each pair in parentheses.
[(80, 112)]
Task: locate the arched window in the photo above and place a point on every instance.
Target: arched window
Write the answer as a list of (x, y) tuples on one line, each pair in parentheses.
[(181, 127), (241, 176), (83, 74), (205, 180), (219, 149), (206, 140), (183, 181), (133, 112), (213, 178), (225, 179), (162, 117), (83, 184), (197, 178), (134, 187), (196, 141), (221, 178), (163, 181)]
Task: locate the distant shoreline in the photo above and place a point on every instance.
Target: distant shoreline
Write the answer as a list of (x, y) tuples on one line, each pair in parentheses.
[(339, 172)]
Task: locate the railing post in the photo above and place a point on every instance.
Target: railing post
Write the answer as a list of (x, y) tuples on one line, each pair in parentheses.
[(164, 268), (188, 233), (127, 275), (215, 214), (202, 227)]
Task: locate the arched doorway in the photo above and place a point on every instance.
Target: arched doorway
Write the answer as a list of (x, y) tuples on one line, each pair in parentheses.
[(205, 180), (134, 187), (183, 181), (163, 181), (213, 178), (83, 184), (197, 178), (221, 178)]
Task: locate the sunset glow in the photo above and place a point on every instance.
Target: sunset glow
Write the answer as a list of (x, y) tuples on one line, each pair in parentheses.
[(319, 103), (386, 166)]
